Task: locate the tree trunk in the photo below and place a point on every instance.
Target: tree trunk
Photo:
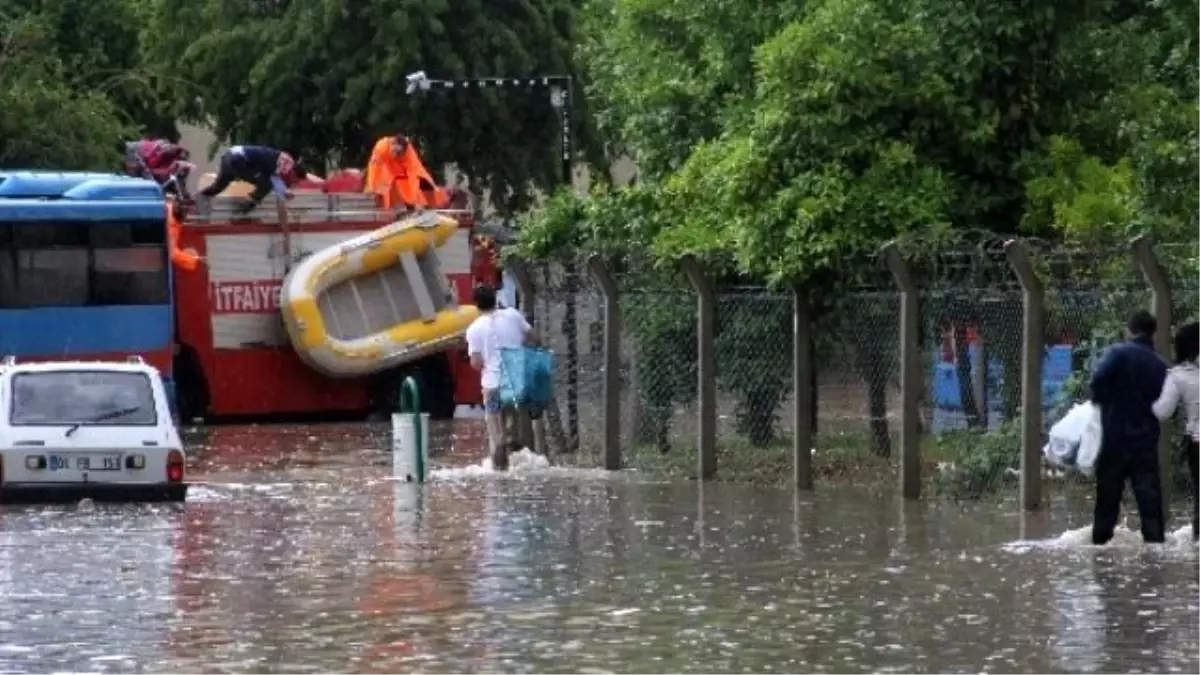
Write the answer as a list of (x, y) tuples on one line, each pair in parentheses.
[(962, 366), (756, 416)]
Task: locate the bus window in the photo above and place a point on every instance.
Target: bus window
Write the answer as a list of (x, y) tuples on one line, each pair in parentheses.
[(51, 264), (8, 268), (129, 263), (43, 235)]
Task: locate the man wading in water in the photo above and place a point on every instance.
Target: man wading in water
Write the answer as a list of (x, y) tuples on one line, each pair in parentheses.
[(493, 331), (1126, 384)]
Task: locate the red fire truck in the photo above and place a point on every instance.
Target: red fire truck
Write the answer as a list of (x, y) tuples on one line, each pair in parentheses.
[(233, 357)]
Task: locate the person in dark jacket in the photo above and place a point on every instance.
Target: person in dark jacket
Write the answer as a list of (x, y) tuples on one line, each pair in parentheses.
[(267, 169), (1125, 385)]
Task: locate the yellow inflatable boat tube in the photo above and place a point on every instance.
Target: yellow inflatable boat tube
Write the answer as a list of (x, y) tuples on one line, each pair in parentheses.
[(376, 301)]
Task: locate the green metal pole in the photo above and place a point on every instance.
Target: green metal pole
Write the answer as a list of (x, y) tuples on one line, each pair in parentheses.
[(410, 403)]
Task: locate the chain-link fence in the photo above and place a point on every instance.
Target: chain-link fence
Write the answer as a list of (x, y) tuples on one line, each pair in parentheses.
[(971, 332)]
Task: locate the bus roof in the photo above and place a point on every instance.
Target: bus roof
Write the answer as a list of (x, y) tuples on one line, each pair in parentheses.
[(44, 195)]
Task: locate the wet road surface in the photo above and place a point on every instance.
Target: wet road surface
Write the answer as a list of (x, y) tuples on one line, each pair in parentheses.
[(298, 554)]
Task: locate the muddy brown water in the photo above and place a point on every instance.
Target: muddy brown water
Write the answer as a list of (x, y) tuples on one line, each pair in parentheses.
[(297, 554)]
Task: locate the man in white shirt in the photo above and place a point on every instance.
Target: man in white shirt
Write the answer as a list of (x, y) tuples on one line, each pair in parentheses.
[(495, 330), (1182, 389)]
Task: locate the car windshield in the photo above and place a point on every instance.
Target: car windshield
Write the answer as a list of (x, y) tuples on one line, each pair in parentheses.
[(82, 397)]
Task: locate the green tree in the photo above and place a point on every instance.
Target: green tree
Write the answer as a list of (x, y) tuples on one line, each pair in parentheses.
[(99, 44), (326, 79), (46, 120), (668, 74), (73, 83), (788, 141)]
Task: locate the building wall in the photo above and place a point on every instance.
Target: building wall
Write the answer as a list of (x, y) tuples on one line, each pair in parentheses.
[(197, 140)]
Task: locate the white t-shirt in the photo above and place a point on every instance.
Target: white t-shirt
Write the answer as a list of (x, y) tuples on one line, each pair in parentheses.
[(487, 335)]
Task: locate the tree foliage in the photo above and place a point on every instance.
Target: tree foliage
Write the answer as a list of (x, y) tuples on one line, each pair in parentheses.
[(71, 87), (786, 141), (788, 137), (325, 79)]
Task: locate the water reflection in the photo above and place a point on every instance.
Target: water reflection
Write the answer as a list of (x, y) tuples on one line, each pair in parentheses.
[(300, 554)]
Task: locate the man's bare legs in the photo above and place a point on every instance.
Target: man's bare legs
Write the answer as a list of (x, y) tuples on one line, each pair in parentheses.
[(501, 427), (496, 446)]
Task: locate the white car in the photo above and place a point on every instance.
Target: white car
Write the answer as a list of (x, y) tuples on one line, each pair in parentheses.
[(101, 430)]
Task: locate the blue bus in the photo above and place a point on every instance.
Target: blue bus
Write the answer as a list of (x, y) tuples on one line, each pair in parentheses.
[(84, 268)]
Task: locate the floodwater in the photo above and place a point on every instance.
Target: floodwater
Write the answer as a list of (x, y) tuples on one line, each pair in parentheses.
[(298, 554)]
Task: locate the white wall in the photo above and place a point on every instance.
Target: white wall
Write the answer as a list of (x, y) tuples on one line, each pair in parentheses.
[(196, 140)]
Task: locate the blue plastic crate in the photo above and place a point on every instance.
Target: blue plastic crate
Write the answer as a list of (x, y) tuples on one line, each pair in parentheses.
[(526, 376)]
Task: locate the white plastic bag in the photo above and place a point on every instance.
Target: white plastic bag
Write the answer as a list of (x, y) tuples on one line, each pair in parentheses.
[(1066, 435), (1089, 445)]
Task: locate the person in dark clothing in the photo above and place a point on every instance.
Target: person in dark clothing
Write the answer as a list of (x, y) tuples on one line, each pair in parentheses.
[(1125, 385), (268, 169)]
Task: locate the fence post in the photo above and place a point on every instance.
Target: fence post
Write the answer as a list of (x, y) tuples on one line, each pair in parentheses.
[(1033, 351), (527, 293), (706, 366), (1160, 305), (612, 362), (911, 382), (802, 402)]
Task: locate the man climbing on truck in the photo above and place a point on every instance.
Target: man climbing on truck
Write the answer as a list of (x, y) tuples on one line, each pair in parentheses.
[(396, 174), (267, 169)]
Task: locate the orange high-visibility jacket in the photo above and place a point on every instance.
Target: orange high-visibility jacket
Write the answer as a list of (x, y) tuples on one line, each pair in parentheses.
[(185, 259), (398, 180)]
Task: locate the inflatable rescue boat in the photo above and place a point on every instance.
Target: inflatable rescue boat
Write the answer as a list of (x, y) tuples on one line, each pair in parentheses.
[(376, 301)]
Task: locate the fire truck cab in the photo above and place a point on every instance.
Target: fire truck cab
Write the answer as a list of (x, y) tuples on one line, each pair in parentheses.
[(233, 357)]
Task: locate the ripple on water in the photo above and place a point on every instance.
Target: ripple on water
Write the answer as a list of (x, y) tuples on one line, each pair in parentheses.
[(521, 464), (297, 553), (1124, 539)]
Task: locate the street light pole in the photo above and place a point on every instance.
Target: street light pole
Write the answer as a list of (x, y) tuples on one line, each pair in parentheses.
[(562, 98)]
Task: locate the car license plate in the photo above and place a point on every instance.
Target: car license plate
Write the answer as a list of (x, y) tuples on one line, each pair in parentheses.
[(85, 462)]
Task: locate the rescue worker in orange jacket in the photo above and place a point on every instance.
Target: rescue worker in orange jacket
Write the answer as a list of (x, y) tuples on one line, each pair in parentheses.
[(395, 172)]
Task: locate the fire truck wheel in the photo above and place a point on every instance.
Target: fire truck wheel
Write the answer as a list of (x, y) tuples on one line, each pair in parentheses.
[(191, 391), (437, 384), (437, 389)]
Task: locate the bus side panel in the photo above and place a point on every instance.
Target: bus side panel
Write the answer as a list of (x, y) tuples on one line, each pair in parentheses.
[(58, 333), (160, 359)]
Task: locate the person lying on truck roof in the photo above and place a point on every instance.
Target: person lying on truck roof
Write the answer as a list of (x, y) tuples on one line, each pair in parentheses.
[(267, 169), (395, 172)]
